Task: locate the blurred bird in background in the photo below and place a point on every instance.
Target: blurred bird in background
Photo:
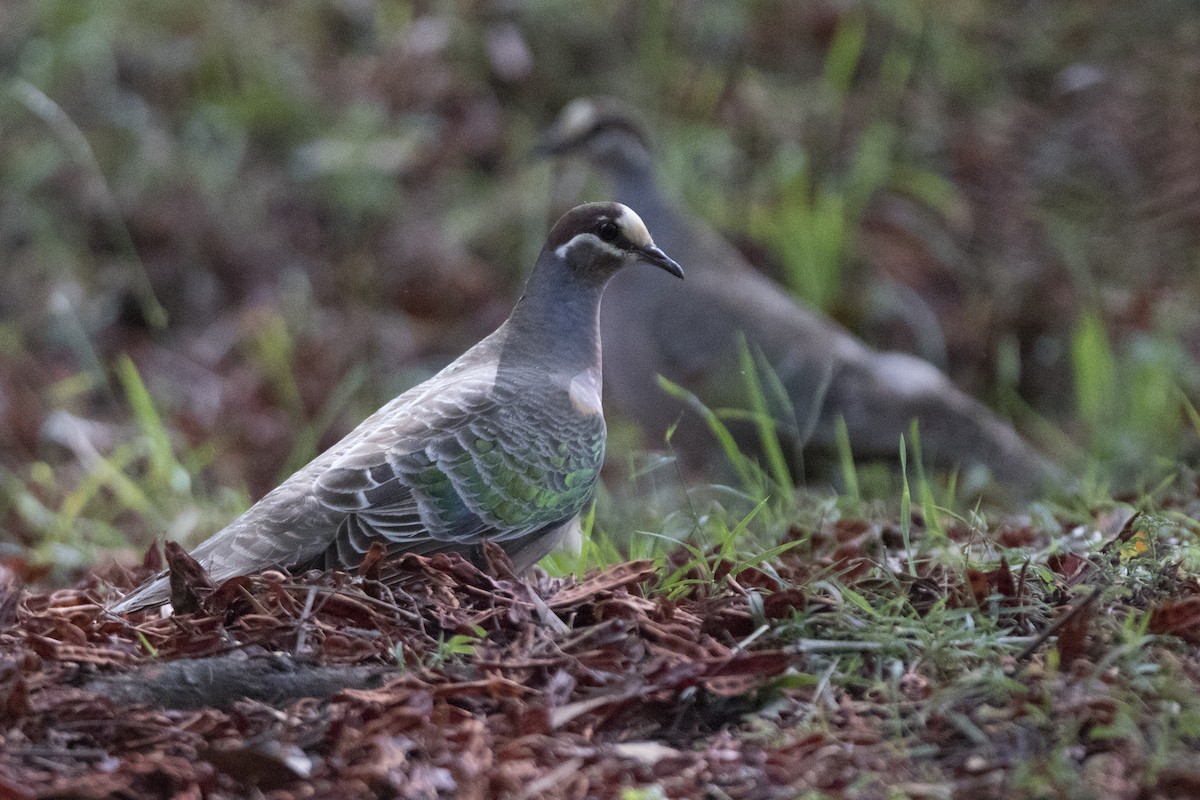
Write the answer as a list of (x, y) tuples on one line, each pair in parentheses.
[(690, 335)]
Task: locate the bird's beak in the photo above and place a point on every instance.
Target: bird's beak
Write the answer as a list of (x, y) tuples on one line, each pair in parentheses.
[(652, 255)]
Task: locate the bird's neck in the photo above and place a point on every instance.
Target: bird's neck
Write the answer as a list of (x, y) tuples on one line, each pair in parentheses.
[(558, 314), (634, 183)]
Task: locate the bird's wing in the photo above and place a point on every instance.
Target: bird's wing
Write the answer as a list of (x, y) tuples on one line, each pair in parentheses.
[(442, 467), (501, 463), (298, 520)]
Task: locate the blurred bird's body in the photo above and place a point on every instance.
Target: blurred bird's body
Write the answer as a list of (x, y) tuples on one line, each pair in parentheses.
[(825, 372), (504, 445)]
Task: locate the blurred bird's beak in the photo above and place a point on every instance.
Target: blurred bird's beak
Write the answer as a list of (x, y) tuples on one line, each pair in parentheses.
[(652, 255)]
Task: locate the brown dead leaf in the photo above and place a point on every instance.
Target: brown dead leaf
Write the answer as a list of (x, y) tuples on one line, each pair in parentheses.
[(1015, 535), (152, 561), (233, 597), (1179, 618), (14, 693), (1002, 579), (564, 714), (980, 590), (1073, 633), (372, 563), (1071, 567), (493, 686), (24, 571), (265, 764), (611, 579), (340, 606), (190, 584), (498, 564), (12, 790), (784, 603), (1178, 781)]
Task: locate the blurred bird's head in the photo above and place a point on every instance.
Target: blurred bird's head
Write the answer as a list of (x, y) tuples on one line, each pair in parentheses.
[(601, 130), (595, 240)]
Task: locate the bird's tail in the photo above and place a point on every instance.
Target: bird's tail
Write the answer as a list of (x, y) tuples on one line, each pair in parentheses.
[(156, 592)]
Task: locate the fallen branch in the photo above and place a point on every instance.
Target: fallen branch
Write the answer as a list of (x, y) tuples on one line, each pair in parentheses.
[(218, 682)]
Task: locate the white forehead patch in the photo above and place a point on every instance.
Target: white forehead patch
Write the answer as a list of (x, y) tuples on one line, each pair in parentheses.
[(577, 118), (633, 227)]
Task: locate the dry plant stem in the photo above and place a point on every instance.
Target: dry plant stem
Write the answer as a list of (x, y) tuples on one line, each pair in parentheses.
[(305, 616), (362, 598)]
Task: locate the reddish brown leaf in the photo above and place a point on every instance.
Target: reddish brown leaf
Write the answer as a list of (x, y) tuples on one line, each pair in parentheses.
[(266, 764), (533, 721), (14, 693), (1013, 536), (1179, 618), (783, 603), (1002, 579), (190, 584), (745, 673), (978, 583), (372, 563), (631, 573), (231, 597), (152, 561), (25, 571), (498, 564), (1073, 633), (12, 790), (1071, 567), (340, 606), (1178, 781)]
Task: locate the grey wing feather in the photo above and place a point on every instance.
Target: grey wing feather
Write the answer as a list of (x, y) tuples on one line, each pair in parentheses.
[(411, 476)]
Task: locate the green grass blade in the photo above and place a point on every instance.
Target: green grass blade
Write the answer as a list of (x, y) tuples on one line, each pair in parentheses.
[(1095, 369), (906, 509), (845, 51), (929, 506), (741, 464), (163, 465), (846, 460), (768, 433)]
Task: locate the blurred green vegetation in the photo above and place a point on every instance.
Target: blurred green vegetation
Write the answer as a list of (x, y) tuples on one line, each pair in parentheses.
[(230, 230)]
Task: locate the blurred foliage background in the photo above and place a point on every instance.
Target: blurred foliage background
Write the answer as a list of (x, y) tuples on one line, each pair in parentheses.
[(230, 230)]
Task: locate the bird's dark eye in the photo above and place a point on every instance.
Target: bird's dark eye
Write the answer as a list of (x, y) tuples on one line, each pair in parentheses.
[(608, 231)]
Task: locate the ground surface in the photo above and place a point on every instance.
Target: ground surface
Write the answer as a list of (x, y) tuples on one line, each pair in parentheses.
[(831, 669), (231, 230)]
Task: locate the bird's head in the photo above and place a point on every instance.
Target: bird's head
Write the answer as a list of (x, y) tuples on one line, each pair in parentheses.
[(597, 239), (599, 129)]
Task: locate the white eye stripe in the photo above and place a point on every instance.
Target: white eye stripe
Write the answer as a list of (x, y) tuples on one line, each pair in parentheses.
[(562, 250)]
